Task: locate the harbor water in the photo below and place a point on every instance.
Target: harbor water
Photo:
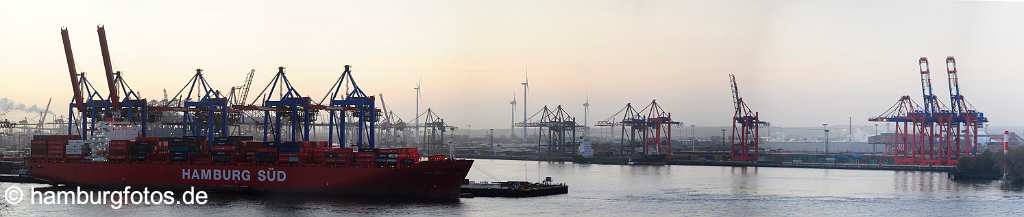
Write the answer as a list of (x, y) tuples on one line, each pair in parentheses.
[(622, 190)]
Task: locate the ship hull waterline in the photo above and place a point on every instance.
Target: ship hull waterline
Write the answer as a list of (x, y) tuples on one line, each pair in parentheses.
[(427, 180)]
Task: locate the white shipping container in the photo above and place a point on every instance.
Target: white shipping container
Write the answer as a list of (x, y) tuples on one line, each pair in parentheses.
[(121, 131), (74, 147)]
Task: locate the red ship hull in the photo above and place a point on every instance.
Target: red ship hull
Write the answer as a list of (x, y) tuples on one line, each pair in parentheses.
[(433, 180)]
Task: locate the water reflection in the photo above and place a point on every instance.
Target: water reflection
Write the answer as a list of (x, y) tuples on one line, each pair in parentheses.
[(619, 190), (917, 181), (744, 171), (745, 182)]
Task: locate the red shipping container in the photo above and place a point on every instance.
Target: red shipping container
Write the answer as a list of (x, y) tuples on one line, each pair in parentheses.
[(338, 155), (365, 155), (161, 151), (148, 139), (117, 157), (118, 145), (223, 148), (56, 138), (55, 150), (266, 149), (287, 157), (117, 150), (200, 157), (252, 146), (39, 148), (366, 159), (307, 145), (320, 144)]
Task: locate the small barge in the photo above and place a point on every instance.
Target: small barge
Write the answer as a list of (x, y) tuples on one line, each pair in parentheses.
[(513, 188)]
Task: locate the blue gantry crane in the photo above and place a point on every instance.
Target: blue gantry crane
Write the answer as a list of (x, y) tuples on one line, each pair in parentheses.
[(355, 101), (933, 134), (204, 109), (93, 108), (966, 119), (282, 102), (132, 108)]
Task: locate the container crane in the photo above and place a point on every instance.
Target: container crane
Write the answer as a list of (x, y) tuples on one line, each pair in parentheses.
[(108, 69), (967, 119), (903, 115), (42, 116), (77, 101), (434, 135), (932, 134), (204, 109), (362, 106), (239, 95), (132, 108), (935, 124), (280, 100), (556, 131), (746, 126), (632, 120), (392, 128), (91, 106), (658, 132)]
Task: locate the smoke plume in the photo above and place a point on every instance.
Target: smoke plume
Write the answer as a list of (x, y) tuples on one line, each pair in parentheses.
[(11, 105)]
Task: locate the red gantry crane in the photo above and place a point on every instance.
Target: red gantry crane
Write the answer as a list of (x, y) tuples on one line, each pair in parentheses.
[(902, 116), (658, 131), (646, 131), (966, 119), (932, 134), (745, 128)]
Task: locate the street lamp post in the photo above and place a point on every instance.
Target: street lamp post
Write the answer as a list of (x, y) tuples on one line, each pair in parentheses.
[(874, 147), (693, 138), (723, 140), (493, 151), (825, 126)]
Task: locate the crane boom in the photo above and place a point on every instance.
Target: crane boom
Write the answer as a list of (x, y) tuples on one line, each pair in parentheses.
[(248, 83), (115, 101), (72, 71), (42, 117), (955, 99), (926, 87), (736, 100)]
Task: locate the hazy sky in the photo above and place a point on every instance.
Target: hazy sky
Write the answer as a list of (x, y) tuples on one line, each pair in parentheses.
[(799, 63)]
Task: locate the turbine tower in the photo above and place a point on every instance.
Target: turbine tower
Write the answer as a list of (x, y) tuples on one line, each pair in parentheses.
[(586, 116), (512, 130), (526, 87), (417, 132)]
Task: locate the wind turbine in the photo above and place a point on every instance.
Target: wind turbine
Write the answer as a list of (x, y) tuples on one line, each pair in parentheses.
[(526, 87), (513, 103), (586, 116), (418, 106)]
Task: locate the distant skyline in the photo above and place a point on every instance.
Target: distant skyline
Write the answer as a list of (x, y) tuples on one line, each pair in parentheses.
[(798, 63)]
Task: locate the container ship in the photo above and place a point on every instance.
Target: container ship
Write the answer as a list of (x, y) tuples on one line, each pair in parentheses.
[(251, 166), (215, 141)]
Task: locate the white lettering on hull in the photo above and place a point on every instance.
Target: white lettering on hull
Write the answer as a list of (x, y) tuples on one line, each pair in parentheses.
[(233, 175)]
